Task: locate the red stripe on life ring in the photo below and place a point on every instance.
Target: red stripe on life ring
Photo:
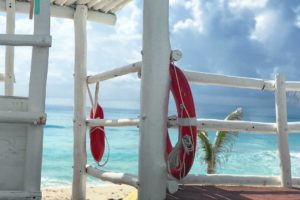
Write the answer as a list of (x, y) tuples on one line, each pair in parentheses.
[(97, 135), (183, 98)]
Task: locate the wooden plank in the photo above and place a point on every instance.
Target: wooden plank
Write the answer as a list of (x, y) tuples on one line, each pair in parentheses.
[(33, 118), (36, 100), (155, 82), (282, 128), (9, 50), (116, 178), (79, 124), (25, 40), (127, 69), (66, 12)]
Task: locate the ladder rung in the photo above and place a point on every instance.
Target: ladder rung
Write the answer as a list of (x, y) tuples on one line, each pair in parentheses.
[(22, 117), (25, 40)]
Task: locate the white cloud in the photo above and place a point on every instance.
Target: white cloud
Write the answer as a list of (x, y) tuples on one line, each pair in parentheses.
[(194, 22), (247, 4)]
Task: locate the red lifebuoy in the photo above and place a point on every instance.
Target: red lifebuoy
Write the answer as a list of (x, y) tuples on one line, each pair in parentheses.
[(186, 109), (97, 135)]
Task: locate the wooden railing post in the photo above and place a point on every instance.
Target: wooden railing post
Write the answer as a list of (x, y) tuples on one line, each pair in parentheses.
[(154, 100), (9, 50), (79, 125), (282, 131)]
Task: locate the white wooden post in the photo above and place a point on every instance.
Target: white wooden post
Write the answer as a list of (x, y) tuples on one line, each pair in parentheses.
[(9, 51), (36, 102), (79, 126), (282, 131), (154, 100)]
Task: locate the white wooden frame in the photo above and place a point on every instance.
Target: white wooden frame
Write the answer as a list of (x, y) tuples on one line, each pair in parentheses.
[(27, 113), (154, 72)]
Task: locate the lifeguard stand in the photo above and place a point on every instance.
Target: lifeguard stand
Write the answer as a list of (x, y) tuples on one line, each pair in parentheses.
[(22, 118)]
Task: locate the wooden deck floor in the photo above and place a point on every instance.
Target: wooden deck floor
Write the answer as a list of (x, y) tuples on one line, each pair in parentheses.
[(192, 192)]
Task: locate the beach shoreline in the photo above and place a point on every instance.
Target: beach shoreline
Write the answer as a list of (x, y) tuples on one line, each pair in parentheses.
[(93, 192)]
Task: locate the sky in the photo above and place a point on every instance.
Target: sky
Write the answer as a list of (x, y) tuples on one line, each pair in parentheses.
[(253, 38)]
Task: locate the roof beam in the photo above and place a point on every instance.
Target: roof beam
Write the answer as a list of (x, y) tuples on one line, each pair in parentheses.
[(66, 12)]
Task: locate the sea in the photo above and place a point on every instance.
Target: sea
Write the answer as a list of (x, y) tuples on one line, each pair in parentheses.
[(251, 153)]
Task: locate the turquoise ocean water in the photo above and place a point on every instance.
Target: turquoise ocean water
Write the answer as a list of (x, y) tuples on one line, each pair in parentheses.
[(252, 154)]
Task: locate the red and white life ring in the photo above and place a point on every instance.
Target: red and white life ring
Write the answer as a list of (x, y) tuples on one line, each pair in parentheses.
[(185, 108), (97, 135)]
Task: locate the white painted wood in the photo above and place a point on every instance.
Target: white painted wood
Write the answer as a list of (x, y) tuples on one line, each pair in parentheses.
[(120, 6), (25, 40), (22, 117), (132, 68), (246, 126), (154, 100), (79, 126), (203, 124), (111, 5), (20, 195), (9, 103), (293, 127), (232, 81), (9, 50), (2, 77), (224, 179), (101, 4), (282, 128), (36, 100), (67, 12), (292, 85), (117, 178), (113, 122)]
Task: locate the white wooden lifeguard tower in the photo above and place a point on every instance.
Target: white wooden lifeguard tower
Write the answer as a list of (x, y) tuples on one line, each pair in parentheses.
[(22, 118), (152, 181)]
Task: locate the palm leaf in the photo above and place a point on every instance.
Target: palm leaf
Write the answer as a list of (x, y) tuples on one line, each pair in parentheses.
[(225, 139), (206, 145)]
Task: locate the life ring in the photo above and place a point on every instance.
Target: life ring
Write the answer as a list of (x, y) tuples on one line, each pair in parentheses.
[(97, 135), (186, 109)]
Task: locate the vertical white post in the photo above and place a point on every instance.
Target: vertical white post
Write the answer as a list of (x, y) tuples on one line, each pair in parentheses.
[(36, 102), (154, 100), (9, 51), (79, 155), (282, 131)]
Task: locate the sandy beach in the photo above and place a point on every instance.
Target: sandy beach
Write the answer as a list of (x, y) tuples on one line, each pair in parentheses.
[(103, 192)]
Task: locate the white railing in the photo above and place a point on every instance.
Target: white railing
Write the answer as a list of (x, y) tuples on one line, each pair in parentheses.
[(281, 127)]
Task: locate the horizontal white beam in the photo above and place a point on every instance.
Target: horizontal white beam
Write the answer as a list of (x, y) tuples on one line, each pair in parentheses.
[(216, 179), (117, 178), (2, 77), (66, 12), (25, 40), (124, 178), (292, 86), (203, 78), (294, 127), (132, 68), (203, 124), (227, 125), (231, 81), (113, 122), (22, 117)]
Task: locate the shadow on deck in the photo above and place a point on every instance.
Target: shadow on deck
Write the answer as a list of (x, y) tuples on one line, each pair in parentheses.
[(193, 192)]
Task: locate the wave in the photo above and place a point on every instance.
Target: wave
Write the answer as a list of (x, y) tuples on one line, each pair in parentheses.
[(55, 126)]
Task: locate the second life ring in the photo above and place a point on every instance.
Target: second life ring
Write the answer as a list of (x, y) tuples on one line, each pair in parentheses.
[(97, 135), (185, 153)]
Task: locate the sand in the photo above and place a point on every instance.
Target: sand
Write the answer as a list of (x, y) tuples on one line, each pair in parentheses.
[(103, 192)]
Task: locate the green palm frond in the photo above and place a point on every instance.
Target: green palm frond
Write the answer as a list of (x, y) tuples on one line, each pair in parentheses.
[(206, 145), (225, 139)]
